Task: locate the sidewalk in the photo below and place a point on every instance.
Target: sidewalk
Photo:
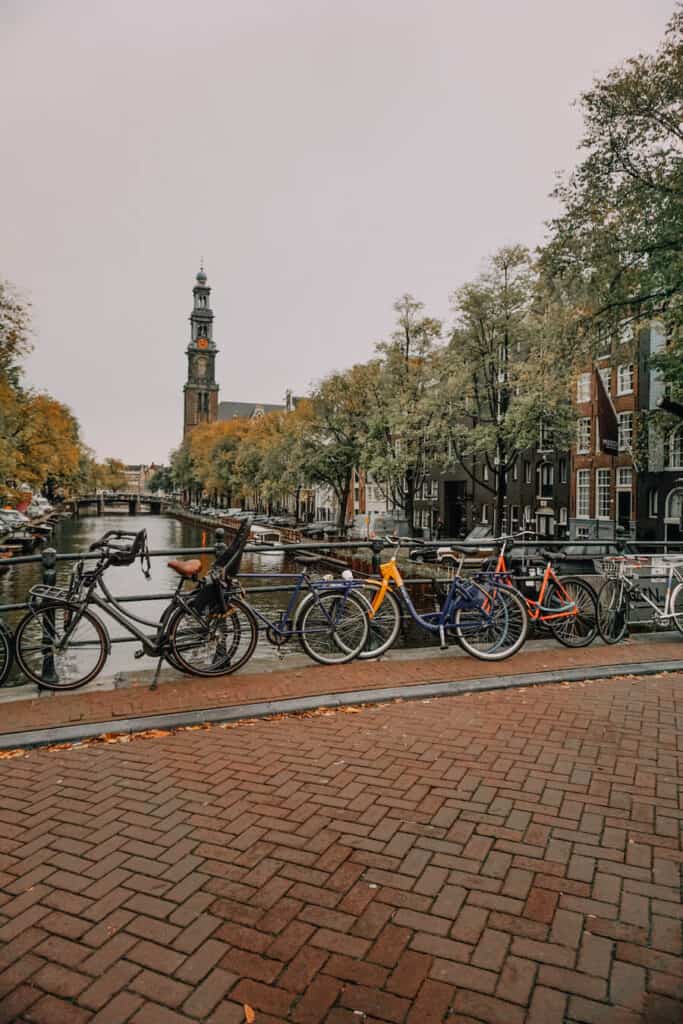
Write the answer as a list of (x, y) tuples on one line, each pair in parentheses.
[(304, 679), (505, 858)]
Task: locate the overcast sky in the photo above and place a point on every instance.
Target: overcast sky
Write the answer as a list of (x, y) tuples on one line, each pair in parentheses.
[(322, 156)]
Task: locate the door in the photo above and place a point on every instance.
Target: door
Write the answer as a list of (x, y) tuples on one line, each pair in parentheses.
[(624, 509), (454, 507)]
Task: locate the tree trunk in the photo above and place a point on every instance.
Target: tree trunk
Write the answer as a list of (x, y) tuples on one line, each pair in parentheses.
[(410, 501), (343, 499)]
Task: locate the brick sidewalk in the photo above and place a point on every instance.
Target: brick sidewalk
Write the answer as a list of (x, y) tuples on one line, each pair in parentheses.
[(191, 694), (508, 858)]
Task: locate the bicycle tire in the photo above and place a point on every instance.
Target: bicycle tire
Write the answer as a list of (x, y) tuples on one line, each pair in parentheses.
[(238, 617), (6, 651), (677, 616), (339, 642), (28, 646), (508, 614), (384, 626), (613, 608), (572, 630)]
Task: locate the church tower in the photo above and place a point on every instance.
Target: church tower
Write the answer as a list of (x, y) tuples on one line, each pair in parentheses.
[(201, 389)]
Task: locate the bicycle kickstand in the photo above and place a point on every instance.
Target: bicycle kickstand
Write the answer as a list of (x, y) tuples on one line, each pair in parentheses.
[(155, 681)]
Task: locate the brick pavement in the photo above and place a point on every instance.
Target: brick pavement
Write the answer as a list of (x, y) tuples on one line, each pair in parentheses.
[(507, 858), (191, 694)]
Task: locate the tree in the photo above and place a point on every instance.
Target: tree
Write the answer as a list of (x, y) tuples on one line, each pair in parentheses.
[(403, 407), (329, 432), (618, 244), (505, 372), (161, 480)]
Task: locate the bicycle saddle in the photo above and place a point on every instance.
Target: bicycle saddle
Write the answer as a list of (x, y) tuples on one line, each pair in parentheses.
[(188, 569)]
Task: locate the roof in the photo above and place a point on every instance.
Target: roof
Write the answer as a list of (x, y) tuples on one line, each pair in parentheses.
[(245, 410)]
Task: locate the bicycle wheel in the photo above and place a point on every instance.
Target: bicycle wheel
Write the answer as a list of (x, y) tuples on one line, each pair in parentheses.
[(579, 627), (61, 646), (6, 651), (213, 643), (333, 626), (496, 624), (384, 625), (676, 607), (613, 608)]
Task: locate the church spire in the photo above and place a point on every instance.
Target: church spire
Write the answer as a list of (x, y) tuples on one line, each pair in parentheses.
[(201, 389)]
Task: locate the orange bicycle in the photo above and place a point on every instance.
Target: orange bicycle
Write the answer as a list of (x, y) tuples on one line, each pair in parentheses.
[(566, 606)]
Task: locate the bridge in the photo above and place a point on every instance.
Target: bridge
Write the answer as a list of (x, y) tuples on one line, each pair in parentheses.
[(136, 503)]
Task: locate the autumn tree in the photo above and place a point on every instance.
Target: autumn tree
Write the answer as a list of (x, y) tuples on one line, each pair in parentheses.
[(403, 408), (617, 245)]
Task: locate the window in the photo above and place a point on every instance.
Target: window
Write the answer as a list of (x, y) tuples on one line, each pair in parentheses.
[(563, 517), (653, 503), (527, 516), (624, 478), (625, 420), (545, 438), (675, 449), (583, 488), (527, 472), (514, 517), (602, 494), (583, 388), (606, 374), (582, 533), (583, 435), (486, 473), (484, 513), (562, 470), (515, 470), (625, 379)]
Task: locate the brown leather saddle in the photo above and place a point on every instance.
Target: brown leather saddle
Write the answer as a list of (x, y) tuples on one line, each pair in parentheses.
[(187, 569)]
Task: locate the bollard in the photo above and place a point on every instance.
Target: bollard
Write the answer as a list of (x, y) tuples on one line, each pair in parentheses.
[(220, 541), (49, 563), (376, 546)]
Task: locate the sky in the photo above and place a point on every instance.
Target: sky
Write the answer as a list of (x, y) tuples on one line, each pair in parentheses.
[(321, 156)]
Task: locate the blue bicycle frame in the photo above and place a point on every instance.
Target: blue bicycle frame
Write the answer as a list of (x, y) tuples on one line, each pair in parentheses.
[(283, 627)]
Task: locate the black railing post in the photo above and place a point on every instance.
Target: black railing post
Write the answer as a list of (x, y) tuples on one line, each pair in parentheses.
[(49, 562), (220, 541), (376, 546)]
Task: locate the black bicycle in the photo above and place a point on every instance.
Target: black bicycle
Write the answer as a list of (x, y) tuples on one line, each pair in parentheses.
[(61, 644), (6, 651)]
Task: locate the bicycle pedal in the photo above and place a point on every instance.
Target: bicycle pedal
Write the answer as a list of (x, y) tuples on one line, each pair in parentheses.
[(139, 654)]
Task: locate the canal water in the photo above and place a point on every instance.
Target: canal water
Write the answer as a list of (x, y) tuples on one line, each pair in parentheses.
[(76, 535)]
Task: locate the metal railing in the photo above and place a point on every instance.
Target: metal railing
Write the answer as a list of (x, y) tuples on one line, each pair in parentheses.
[(49, 557)]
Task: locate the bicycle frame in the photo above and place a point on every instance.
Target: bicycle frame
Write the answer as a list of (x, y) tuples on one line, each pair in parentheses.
[(281, 627), (538, 612), (631, 586), (435, 622)]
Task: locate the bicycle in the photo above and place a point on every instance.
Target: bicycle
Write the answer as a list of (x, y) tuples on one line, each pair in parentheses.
[(61, 644), (490, 624), (330, 621), (622, 587), (566, 605), (6, 651)]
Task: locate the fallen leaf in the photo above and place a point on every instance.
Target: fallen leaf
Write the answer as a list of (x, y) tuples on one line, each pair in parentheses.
[(249, 1014)]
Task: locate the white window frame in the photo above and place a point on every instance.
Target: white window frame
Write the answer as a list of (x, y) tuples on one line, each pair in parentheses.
[(603, 508), (625, 435), (583, 435), (674, 446), (527, 472), (485, 513), (562, 471), (625, 379), (527, 516), (515, 470), (583, 388), (606, 374), (624, 478), (583, 494), (653, 503), (563, 519)]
